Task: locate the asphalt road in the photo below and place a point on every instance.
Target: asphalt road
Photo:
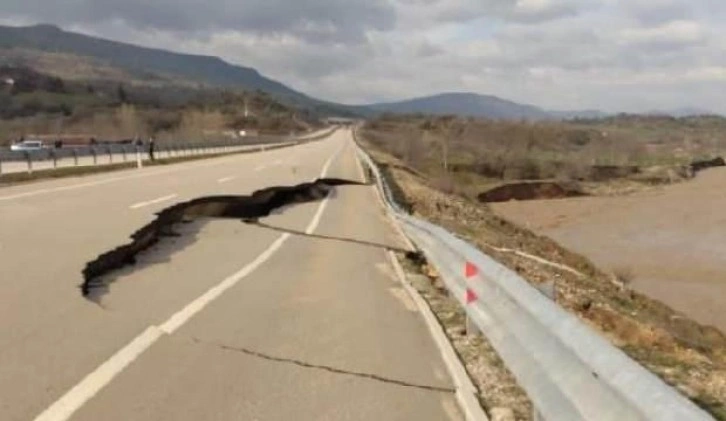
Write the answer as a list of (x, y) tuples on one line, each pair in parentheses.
[(300, 319)]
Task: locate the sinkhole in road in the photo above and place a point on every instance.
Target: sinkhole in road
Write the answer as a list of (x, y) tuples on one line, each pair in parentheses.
[(250, 208)]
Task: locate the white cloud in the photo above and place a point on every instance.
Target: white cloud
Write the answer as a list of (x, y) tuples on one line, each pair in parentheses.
[(538, 10), (609, 54), (672, 33)]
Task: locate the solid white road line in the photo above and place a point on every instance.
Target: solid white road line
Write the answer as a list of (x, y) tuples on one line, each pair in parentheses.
[(74, 399), (153, 202), (180, 318), (225, 180)]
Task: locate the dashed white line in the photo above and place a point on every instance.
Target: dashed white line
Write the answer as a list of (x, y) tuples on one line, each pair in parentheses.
[(225, 180), (153, 202), (74, 399)]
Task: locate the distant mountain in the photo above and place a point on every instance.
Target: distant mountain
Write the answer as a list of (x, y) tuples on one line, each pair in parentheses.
[(682, 112), (206, 70), (465, 104), (570, 115)]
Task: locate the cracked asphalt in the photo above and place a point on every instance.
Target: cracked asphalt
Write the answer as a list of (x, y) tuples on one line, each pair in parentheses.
[(292, 318)]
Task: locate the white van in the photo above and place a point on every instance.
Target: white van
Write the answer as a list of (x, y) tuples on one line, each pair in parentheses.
[(27, 145)]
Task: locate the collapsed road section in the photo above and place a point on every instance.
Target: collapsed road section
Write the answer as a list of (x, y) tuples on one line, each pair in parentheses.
[(250, 208)]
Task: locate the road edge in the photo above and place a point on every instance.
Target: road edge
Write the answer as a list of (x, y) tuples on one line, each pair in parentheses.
[(466, 392)]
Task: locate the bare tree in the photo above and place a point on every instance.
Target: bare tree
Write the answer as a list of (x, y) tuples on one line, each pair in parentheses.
[(452, 131)]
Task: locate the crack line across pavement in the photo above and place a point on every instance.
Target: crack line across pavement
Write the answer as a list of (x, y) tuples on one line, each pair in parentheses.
[(325, 237), (330, 369)]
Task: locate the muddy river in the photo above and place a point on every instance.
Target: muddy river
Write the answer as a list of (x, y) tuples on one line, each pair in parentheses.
[(672, 239)]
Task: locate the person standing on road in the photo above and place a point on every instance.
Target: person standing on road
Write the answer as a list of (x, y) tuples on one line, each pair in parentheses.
[(151, 149)]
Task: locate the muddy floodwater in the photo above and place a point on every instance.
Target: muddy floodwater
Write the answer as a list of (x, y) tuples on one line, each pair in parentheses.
[(672, 239)]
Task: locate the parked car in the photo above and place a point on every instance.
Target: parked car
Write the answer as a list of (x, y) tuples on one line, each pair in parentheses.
[(27, 145)]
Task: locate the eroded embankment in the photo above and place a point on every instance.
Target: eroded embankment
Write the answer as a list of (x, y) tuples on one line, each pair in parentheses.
[(533, 190), (249, 208)]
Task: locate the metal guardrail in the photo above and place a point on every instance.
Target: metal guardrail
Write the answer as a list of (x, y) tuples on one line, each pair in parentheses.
[(105, 154), (567, 369)]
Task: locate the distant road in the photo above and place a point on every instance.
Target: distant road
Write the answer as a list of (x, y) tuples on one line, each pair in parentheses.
[(228, 322), (16, 162), (104, 158)]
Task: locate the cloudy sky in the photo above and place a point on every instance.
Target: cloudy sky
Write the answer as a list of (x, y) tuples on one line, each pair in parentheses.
[(615, 55)]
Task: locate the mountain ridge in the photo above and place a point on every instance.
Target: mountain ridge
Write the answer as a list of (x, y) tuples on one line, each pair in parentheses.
[(214, 71), (462, 103)]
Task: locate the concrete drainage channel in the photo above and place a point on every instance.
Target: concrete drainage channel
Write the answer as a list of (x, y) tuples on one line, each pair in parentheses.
[(247, 208)]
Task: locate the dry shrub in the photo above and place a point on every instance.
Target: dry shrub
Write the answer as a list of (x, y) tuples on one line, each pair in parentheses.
[(628, 332), (624, 275)]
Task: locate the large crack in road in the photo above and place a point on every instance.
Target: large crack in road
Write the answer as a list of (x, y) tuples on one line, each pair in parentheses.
[(247, 208)]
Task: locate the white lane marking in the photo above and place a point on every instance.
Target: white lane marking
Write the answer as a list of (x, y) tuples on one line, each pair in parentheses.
[(360, 168), (153, 202), (181, 317), (74, 399), (261, 167), (401, 295), (225, 180)]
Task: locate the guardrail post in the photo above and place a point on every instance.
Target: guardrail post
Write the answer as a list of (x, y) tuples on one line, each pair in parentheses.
[(54, 155), (95, 155), (75, 157), (471, 329), (30, 162), (139, 162), (110, 155), (123, 152)]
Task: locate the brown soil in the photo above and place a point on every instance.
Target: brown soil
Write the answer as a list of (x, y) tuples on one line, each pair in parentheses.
[(530, 191), (687, 355)]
